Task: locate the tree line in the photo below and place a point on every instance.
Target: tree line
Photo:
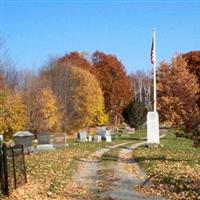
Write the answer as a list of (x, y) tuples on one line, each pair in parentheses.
[(80, 90)]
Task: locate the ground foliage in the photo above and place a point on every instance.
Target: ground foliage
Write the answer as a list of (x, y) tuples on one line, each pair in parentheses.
[(50, 174), (173, 169)]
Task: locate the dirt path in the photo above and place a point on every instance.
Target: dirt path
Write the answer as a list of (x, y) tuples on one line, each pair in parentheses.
[(129, 176), (89, 171), (114, 177)]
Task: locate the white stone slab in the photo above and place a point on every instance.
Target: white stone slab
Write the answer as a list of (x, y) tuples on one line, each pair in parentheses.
[(108, 138), (1, 138), (45, 147), (90, 138), (83, 136), (153, 128)]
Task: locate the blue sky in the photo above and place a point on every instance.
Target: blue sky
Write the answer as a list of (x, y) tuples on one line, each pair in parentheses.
[(35, 30)]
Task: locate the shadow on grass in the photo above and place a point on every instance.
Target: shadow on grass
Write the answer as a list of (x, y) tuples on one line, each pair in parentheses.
[(109, 158), (160, 158), (127, 138)]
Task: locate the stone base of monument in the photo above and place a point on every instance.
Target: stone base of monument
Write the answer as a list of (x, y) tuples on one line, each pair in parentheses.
[(45, 147), (153, 136)]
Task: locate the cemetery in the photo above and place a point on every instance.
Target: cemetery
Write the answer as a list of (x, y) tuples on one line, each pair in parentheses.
[(96, 103), (168, 156)]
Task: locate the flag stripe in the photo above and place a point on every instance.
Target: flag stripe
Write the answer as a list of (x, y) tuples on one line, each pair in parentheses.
[(152, 52)]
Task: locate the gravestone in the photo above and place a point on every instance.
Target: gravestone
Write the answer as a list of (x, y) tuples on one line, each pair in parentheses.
[(90, 138), (59, 140), (131, 130), (97, 138), (83, 136), (108, 138), (24, 138), (153, 128), (103, 132), (44, 138), (44, 142), (1, 140)]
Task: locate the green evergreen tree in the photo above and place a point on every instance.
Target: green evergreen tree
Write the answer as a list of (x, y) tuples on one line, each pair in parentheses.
[(135, 114)]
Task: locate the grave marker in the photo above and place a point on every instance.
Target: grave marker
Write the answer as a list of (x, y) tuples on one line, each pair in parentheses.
[(97, 138), (59, 140), (44, 142)]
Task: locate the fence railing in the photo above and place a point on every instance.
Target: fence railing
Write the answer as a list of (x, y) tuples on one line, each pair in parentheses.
[(12, 168)]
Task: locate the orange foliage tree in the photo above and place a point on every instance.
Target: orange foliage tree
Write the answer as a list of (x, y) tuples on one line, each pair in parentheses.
[(115, 83), (76, 59), (193, 65), (177, 94)]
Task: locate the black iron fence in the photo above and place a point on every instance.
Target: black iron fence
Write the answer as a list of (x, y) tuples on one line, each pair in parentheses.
[(12, 168)]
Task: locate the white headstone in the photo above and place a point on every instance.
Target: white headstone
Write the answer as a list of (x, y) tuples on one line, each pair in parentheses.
[(90, 138), (97, 138), (153, 128), (1, 138), (108, 138), (83, 136)]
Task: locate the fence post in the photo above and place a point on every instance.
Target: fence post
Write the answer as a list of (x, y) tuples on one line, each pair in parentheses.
[(5, 170), (14, 170), (24, 165), (1, 170)]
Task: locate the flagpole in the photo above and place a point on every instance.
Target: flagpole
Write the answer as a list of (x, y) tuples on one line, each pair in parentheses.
[(153, 117), (154, 71)]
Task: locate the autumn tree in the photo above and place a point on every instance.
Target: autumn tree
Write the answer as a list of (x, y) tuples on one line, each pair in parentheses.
[(2, 60), (177, 94), (13, 112), (1, 82), (114, 83), (79, 95), (42, 108), (193, 65), (8, 71), (76, 59)]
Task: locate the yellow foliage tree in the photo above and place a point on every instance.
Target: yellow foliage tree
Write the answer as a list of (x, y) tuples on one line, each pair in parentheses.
[(84, 105), (43, 111), (13, 112)]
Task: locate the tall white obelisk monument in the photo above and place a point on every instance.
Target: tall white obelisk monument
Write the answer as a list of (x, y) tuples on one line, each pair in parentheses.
[(152, 117)]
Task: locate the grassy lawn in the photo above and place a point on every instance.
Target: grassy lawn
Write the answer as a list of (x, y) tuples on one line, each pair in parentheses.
[(50, 173), (138, 135), (173, 168)]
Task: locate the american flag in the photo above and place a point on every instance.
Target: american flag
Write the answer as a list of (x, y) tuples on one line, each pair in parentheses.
[(152, 52)]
